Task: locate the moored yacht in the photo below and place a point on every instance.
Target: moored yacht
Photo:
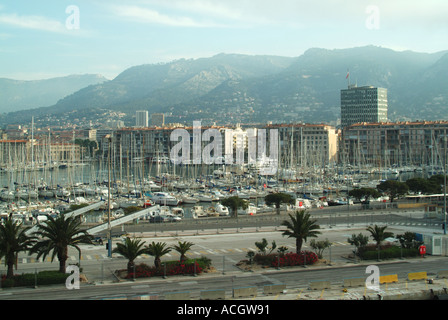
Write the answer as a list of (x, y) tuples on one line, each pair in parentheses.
[(163, 198)]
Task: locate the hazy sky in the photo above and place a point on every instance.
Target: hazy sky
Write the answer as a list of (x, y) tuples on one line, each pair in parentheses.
[(43, 39)]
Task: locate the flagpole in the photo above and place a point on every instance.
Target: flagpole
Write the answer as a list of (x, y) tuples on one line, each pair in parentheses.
[(348, 78)]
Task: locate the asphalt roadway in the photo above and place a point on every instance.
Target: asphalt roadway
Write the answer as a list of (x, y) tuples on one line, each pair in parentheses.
[(226, 246)]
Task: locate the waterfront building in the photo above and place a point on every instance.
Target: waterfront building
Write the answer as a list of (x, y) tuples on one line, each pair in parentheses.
[(304, 145), (63, 152), (299, 144), (395, 144), (14, 152), (363, 104), (23, 154)]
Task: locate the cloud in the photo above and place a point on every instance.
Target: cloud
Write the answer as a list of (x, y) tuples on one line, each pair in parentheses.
[(260, 13), (214, 9), (145, 15), (32, 22)]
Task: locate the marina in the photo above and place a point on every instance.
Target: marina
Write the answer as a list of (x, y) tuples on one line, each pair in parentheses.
[(30, 196)]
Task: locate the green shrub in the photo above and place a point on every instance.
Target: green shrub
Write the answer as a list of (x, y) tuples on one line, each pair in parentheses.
[(7, 283), (170, 268), (387, 252), (29, 279), (202, 262), (265, 259)]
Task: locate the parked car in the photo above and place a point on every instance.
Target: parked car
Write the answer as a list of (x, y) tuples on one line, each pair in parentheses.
[(157, 219), (172, 218)]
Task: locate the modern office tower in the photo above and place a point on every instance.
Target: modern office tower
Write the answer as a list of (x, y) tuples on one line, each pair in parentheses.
[(141, 119), (363, 104), (157, 119)]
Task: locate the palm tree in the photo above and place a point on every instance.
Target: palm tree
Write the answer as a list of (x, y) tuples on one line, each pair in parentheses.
[(131, 249), (379, 234), (57, 235), (157, 250), (13, 239), (300, 227), (182, 248)]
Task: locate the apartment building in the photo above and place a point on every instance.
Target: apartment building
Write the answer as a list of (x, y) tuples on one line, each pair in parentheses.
[(306, 144), (395, 143)]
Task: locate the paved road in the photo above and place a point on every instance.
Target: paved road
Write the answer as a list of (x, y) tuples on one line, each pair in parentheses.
[(225, 246)]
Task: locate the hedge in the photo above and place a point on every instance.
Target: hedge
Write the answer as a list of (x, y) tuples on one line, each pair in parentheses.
[(170, 268), (390, 252), (287, 259), (29, 279)]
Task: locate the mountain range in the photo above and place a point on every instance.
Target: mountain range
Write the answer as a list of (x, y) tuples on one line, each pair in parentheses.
[(232, 88), (16, 95)]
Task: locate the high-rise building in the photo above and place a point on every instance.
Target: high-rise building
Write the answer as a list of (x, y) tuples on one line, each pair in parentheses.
[(141, 119), (157, 119), (363, 104)]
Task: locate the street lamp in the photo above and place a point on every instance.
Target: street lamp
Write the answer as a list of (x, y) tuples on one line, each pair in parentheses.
[(109, 236), (444, 185)]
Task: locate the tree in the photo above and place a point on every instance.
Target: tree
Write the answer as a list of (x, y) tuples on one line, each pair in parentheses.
[(234, 203), (437, 179), (364, 193), (320, 246), (131, 249), (157, 250), (263, 246), (425, 186), (300, 227), (57, 234), (379, 234), (394, 188), (277, 199), (358, 241), (13, 239), (182, 248)]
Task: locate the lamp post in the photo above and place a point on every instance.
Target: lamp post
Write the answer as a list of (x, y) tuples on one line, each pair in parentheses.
[(444, 186), (109, 236)]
